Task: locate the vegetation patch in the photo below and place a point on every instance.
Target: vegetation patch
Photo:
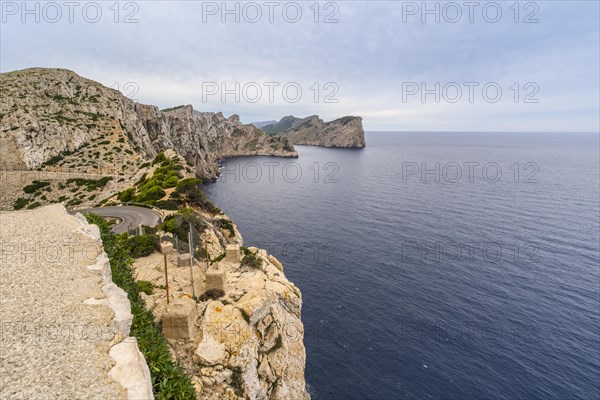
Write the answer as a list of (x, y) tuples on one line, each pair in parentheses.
[(34, 205), (188, 190), (35, 186), (217, 259), (141, 246), (91, 184), (146, 287), (252, 261), (20, 203), (226, 224), (179, 223)]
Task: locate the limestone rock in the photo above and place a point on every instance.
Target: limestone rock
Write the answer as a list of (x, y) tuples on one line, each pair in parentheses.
[(210, 351), (131, 370), (255, 305)]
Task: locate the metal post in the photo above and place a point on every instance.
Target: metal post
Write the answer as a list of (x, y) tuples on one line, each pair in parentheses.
[(166, 278), (192, 262)]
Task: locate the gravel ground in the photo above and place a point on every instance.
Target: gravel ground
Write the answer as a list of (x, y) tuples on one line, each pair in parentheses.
[(52, 345)]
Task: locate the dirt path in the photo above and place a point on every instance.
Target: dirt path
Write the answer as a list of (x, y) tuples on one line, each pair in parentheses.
[(52, 344)]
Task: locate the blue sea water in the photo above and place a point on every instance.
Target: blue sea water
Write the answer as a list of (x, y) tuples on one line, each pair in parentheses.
[(436, 265)]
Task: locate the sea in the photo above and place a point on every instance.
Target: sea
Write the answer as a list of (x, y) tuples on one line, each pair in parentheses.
[(436, 265)]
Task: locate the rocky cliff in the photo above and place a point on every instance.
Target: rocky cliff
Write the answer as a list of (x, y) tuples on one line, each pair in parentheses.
[(55, 119), (342, 132)]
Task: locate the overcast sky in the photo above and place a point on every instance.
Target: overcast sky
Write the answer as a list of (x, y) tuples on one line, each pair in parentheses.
[(490, 72)]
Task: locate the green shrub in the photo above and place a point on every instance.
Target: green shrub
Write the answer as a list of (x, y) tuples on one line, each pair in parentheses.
[(217, 259), (167, 204), (160, 157), (34, 205), (146, 287), (73, 202), (252, 261), (35, 186), (127, 195), (178, 224), (54, 160), (20, 203), (189, 190), (91, 184), (226, 224), (154, 193), (170, 182), (141, 246)]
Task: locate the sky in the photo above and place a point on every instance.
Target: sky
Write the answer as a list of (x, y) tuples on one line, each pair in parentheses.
[(402, 66)]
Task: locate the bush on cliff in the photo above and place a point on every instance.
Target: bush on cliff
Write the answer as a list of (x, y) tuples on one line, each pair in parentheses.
[(188, 190), (127, 195), (252, 261), (141, 246), (168, 380), (179, 223)]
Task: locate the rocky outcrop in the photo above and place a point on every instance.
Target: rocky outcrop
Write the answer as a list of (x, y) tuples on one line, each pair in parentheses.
[(53, 118), (248, 343), (312, 131)]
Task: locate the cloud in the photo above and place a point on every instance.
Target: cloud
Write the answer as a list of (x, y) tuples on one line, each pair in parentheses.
[(368, 54)]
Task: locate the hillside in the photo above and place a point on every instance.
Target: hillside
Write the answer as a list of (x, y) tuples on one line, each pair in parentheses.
[(54, 119)]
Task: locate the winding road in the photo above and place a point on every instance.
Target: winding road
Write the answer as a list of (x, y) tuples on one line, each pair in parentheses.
[(131, 217)]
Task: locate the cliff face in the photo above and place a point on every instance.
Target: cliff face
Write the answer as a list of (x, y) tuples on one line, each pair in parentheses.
[(48, 115), (342, 132)]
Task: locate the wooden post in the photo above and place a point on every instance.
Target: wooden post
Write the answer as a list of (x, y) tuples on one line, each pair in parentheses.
[(191, 247), (166, 278), (206, 251)]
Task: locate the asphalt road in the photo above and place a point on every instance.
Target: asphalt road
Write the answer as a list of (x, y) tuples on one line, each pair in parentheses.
[(131, 217)]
